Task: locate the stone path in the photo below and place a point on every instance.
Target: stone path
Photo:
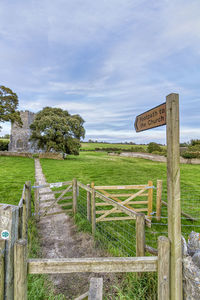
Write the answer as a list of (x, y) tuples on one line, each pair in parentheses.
[(60, 239)]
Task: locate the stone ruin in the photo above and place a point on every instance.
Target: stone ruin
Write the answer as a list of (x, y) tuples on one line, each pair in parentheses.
[(191, 267), (19, 139)]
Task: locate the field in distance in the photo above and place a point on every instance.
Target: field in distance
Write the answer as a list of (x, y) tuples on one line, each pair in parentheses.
[(104, 146)]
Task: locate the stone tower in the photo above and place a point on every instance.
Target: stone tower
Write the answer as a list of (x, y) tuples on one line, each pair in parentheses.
[(19, 140)]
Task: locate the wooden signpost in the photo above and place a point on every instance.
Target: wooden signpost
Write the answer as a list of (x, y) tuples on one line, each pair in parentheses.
[(168, 113)]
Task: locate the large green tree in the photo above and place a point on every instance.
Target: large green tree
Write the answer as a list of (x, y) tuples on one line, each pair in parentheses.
[(8, 106), (54, 129)]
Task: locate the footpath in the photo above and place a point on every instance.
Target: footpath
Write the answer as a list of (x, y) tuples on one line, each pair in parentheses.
[(59, 239)]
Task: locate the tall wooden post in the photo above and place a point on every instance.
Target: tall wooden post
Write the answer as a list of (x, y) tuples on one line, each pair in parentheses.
[(74, 187), (24, 218), (173, 195), (93, 209), (89, 205), (20, 270)]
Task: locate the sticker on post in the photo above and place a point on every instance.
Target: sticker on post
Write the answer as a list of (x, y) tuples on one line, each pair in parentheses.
[(5, 234), (57, 184)]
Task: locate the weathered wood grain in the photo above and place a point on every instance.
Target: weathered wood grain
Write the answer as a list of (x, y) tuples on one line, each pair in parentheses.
[(20, 270), (99, 264), (163, 268), (173, 195)]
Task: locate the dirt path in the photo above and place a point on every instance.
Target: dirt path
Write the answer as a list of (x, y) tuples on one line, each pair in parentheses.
[(60, 239)]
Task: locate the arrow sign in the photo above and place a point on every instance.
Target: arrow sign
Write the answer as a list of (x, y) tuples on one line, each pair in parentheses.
[(152, 118)]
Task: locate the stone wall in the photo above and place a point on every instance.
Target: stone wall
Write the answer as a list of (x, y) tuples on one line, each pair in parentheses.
[(50, 155)]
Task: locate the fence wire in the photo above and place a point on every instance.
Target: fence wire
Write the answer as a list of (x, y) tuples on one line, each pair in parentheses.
[(118, 237)]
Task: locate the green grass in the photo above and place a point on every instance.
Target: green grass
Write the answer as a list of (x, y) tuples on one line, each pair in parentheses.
[(92, 146), (118, 237), (14, 172)]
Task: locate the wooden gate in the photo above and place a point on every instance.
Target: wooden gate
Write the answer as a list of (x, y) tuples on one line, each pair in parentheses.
[(143, 203)]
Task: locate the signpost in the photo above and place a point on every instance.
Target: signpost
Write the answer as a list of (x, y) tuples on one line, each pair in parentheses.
[(152, 118), (168, 113)]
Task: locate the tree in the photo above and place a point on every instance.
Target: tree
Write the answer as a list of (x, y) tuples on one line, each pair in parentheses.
[(8, 106), (56, 130), (153, 147)]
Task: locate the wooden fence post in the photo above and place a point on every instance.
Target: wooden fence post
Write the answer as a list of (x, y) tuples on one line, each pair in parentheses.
[(163, 268), (150, 199), (93, 209), (140, 235), (2, 268), (28, 196), (9, 217), (24, 218), (89, 205), (74, 188), (173, 195), (20, 270), (158, 200)]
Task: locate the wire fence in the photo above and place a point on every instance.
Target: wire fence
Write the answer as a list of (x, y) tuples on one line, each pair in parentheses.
[(119, 237)]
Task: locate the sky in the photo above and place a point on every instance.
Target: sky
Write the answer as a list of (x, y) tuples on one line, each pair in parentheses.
[(107, 60)]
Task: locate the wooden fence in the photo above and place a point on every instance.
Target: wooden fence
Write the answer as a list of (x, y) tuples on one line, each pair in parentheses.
[(13, 251)]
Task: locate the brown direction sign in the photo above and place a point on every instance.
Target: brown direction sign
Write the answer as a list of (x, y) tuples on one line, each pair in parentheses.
[(152, 118)]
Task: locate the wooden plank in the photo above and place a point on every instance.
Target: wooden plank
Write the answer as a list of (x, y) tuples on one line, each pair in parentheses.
[(163, 268), (20, 270), (2, 268), (54, 192), (96, 265), (52, 185), (121, 187), (127, 195), (150, 199), (131, 202), (96, 289), (158, 200), (173, 195), (89, 213), (74, 188), (115, 219), (99, 212)]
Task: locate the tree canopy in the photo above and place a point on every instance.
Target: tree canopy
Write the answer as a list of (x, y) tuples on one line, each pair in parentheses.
[(8, 106), (55, 129)]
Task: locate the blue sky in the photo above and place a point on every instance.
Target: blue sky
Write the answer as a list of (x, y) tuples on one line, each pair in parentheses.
[(108, 60)]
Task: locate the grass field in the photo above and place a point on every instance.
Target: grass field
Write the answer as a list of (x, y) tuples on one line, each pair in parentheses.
[(92, 146), (117, 237)]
